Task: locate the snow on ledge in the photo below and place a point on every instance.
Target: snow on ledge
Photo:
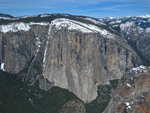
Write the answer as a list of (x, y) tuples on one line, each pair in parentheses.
[(128, 105), (2, 66), (139, 70), (128, 85)]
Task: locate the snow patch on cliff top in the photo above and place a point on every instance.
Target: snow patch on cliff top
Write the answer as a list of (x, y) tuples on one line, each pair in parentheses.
[(20, 26), (39, 23), (79, 26), (58, 23), (14, 27)]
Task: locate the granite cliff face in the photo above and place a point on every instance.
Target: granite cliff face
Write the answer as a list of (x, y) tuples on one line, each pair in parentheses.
[(67, 53), (80, 62), (133, 93)]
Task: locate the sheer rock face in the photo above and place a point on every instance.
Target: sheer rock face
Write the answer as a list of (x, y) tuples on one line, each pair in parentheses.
[(69, 59), (80, 62), (133, 93), (74, 106)]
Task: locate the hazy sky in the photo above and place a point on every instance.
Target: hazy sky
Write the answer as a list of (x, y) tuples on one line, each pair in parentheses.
[(95, 8)]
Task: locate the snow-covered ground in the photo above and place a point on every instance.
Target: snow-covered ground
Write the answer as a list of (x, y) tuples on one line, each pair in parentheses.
[(144, 16), (116, 22), (147, 30), (126, 25)]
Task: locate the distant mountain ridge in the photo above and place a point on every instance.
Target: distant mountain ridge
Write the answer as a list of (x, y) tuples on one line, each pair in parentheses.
[(6, 15), (136, 30)]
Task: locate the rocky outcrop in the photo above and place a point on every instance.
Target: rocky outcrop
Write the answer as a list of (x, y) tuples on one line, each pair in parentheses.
[(133, 93), (66, 53), (73, 106)]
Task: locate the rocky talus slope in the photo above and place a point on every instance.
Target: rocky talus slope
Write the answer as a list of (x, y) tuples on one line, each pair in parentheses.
[(133, 93), (74, 106)]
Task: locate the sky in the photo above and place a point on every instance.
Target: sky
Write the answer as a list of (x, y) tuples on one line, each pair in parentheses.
[(93, 8)]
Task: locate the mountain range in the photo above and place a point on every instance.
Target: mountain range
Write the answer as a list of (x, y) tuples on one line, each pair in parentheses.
[(61, 63)]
